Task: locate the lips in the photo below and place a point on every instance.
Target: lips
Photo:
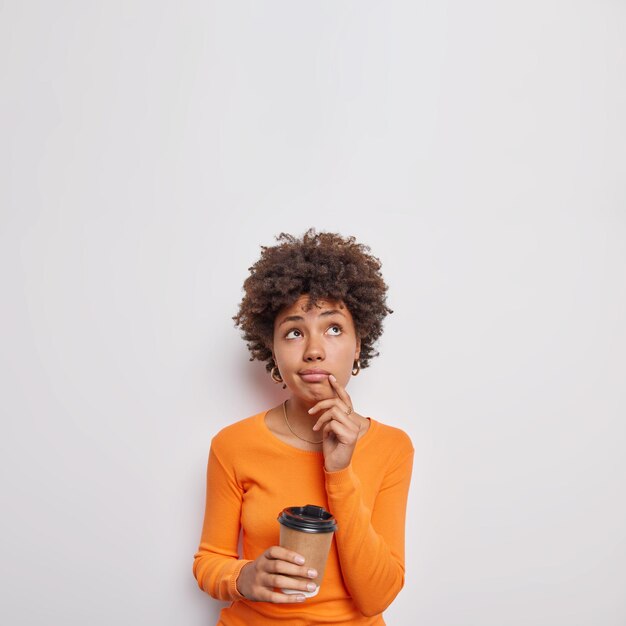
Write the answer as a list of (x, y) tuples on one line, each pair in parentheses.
[(314, 375)]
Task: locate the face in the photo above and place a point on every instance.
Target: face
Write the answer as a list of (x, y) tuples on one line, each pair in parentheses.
[(310, 345)]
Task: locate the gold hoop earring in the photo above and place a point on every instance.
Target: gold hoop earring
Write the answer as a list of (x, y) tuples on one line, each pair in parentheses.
[(275, 375), (357, 367)]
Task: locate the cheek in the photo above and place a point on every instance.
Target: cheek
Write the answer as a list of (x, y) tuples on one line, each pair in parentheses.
[(282, 355), (350, 350), (346, 360)]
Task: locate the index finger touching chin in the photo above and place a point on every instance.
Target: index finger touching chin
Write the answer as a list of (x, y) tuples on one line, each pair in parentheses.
[(341, 392)]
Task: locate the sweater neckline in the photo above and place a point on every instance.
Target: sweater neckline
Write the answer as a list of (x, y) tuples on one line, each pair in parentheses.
[(260, 419)]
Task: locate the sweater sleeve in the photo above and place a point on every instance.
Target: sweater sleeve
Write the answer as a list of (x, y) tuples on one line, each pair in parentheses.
[(370, 543), (216, 565)]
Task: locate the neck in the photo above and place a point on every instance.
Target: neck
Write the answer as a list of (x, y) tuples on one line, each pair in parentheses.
[(302, 429), (297, 412)]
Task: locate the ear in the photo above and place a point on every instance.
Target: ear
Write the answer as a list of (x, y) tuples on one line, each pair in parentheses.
[(357, 352)]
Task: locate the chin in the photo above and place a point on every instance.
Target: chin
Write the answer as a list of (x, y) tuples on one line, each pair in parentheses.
[(321, 392), (313, 393)]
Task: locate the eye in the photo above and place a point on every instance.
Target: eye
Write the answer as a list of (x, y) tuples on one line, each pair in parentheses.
[(294, 333), (335, 329)]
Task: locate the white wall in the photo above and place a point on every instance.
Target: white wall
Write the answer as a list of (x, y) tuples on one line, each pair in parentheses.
[(149, 148)]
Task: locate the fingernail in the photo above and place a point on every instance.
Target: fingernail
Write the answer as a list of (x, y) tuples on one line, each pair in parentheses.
[(310, 411), (333, 378), (312, 573), (299, 560), (311, 586)]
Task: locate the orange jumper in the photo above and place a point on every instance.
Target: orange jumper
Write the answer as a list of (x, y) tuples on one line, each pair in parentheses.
[(252, 475)]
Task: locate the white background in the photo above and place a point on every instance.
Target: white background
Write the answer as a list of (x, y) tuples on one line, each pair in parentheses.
[(149, 148)]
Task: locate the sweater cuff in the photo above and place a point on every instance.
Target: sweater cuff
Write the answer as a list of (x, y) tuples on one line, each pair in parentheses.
[(339, 477), (232, 587)]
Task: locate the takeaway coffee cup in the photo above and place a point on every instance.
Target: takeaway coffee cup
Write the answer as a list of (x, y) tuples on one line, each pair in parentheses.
[(308, 530)]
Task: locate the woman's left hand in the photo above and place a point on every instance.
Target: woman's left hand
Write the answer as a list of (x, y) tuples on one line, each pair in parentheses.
[(340, 427)]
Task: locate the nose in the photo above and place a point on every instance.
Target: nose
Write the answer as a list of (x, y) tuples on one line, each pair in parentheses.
[(313, 350)]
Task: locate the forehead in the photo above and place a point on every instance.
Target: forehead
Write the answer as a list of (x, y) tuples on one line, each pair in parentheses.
[(302, 306)]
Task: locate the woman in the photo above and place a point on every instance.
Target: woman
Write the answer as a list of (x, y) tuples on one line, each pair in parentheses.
[(312, 310)]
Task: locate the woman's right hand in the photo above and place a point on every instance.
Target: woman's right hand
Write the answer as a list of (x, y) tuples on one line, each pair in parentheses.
[(275, 568)]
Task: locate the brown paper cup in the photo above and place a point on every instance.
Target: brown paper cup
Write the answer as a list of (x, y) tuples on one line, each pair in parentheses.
[(312, 541)]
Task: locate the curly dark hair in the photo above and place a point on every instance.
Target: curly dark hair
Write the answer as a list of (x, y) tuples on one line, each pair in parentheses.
[(323, 266)]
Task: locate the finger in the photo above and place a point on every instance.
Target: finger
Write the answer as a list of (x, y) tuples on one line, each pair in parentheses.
[(329, 402), (278, 552), (277, 566), (324, 418), (344, 435), (280, 598), (336, 415), (287, 582), (341, 392)]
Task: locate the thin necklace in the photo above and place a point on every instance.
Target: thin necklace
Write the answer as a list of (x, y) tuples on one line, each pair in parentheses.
[(291, 429)]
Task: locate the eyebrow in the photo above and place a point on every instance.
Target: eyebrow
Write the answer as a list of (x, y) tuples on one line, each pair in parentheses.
[(299, 318)]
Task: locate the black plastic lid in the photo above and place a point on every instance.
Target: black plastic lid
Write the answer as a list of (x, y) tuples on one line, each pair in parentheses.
[(308, 519)]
